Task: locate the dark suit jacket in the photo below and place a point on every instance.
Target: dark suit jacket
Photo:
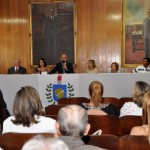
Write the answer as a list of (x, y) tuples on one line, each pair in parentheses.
[(58, 68), (2, 102), (21, 70)]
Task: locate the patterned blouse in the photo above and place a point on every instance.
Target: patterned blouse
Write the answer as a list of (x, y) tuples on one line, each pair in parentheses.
[(130, 108), (110, 109)]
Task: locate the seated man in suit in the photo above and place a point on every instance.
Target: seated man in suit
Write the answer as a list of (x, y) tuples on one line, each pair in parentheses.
[(17, 69), (63, 66)]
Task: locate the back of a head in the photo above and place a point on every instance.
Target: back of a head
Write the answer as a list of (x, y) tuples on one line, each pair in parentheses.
[(27, 104), (96, 92), (140, 88), (146, 112), (72, 120), (41, 143)]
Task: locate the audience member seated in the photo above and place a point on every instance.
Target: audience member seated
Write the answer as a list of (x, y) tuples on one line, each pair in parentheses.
[(63, 66), (96, 93), (17, 68), (27, 110), (91, 67), (42, 67), (135, 107), (42, 143), (145, 129), (73, 127), (143, 68), (114, 68), (3, 105)]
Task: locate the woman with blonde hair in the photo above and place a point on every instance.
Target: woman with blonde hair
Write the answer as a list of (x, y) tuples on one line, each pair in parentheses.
[(135, 107), (96, 90), (91, 67), (27, 118), (145, 129)]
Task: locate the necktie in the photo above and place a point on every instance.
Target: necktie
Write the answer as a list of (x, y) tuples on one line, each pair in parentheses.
[(63, 65), (17, 69)]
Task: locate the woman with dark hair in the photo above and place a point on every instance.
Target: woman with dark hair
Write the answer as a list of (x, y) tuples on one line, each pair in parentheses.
[(114, 68), (27, 118), (42, 67)]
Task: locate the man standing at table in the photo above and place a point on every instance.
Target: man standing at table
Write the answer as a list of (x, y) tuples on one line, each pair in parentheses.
[(17, 68), (146, 34), (63, 66)]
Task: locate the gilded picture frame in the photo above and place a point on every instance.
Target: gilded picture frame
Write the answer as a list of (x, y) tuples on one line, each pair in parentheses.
[(52, 36), (134, 14)]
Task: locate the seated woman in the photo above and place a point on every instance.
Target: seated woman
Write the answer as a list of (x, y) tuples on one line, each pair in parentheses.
[(27, 110), (96, 93), (135, 107), (145, 129), (114, 68), (91, 67), (42, 67)]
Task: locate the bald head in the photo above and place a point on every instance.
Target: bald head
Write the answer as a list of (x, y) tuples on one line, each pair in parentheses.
[(72, 120)]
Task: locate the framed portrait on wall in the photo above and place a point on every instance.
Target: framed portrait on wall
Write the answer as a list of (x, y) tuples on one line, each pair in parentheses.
[(52, 30), (136, 26)]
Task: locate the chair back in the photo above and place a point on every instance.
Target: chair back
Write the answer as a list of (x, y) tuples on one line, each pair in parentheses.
[(53, 109), (126, 123), (73, 100), (108, 124), (130, 142), (15, 141), (106, 141)]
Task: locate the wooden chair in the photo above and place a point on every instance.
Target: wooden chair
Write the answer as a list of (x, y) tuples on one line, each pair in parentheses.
[(126, 123), (112, 100), (15, 141), (106, 141), (73, 100), (53, 109), (108, 124), (130, 142)]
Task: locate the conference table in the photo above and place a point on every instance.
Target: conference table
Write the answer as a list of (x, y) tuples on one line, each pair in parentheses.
[(52, 87)]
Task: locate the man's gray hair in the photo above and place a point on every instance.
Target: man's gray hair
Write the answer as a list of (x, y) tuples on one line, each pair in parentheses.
[(73, 120), (41, 143)]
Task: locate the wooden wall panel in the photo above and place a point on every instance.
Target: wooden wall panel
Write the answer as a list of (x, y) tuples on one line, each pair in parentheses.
[(99, 32), (14, 33), (99, 24)]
